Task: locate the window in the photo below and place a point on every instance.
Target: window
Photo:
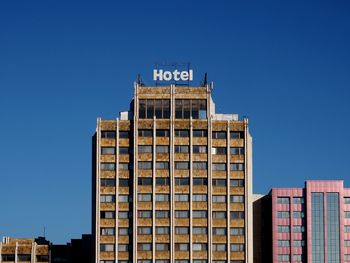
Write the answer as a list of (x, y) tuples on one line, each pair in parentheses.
[(218, 150), (237, 247), (219, 215), (237, 135), (145, 181), (219, 182), (162, 230), (219, 198), (181, 197), (144, 213), (182, 181), (237, 166), (297, 258), (124, 166), (145, 165), (200, 165), (162, 214), (144, 246), (298, 214), (347, 214), (107, 166), (283, 229), (7, 257), (162, 133), (347, 243), (200, 149), (123, 150), (219, 166), (200, 181), (123, 134), (237, 150), (123, 215), (200, 246), (162, 197), (182, 165), (237, 198), (219, 247), (184, 109), (162, 165), (123, 231), (283, 243), (347, 229), (219, 231), (346, 200), (162, 246), (199, 214), (144, 230), (283, 257), (237, 182), (283, 214), (200, 133), (298, 200), (298, 243), (237, 215), (107, 198), (282, 200), (182, 230), (162, 149), (182, 214), (107, 231), (182, 246), (106, 247), (145, 133), (219, 135), (123, 248), (107, 150), (123, 182), (200, 231), (181, 148), (182, 133), (107, 182), (148, 108), (298, 229), (347, 257), (144, 197), (162, 181), (237, 231), (108, 134), (107, 214), (200, 198), (145, 148), (23, 257)]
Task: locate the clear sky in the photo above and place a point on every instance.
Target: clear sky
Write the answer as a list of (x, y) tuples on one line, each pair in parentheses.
[(284, 64)]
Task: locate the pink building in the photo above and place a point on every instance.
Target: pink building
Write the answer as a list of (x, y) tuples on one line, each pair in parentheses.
[(311, 224)]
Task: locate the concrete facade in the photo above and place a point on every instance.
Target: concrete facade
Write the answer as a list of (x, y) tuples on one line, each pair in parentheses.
[(26, 250), (172, 181)]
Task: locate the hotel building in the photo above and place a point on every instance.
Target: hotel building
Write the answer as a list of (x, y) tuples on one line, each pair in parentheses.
[(172, 181), (310, 224)]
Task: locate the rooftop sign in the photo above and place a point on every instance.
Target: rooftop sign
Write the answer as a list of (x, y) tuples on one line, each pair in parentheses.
[(176, 75)]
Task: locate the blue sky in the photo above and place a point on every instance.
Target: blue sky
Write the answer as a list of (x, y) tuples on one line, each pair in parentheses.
[(284, 64)]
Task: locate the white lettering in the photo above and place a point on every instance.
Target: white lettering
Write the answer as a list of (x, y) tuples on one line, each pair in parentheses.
[(176, 75), (158, 75)]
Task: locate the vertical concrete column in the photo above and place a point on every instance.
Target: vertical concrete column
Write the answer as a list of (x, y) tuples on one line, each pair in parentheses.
[(16, 253), (228, 188), (154, 157), (98, 190), (32, 254), (171, 173), (248, 188), (191, 186), (116, 190), (135, 172), (210, 198)]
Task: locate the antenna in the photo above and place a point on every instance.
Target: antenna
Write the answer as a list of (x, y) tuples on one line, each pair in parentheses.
[(44, 232)]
